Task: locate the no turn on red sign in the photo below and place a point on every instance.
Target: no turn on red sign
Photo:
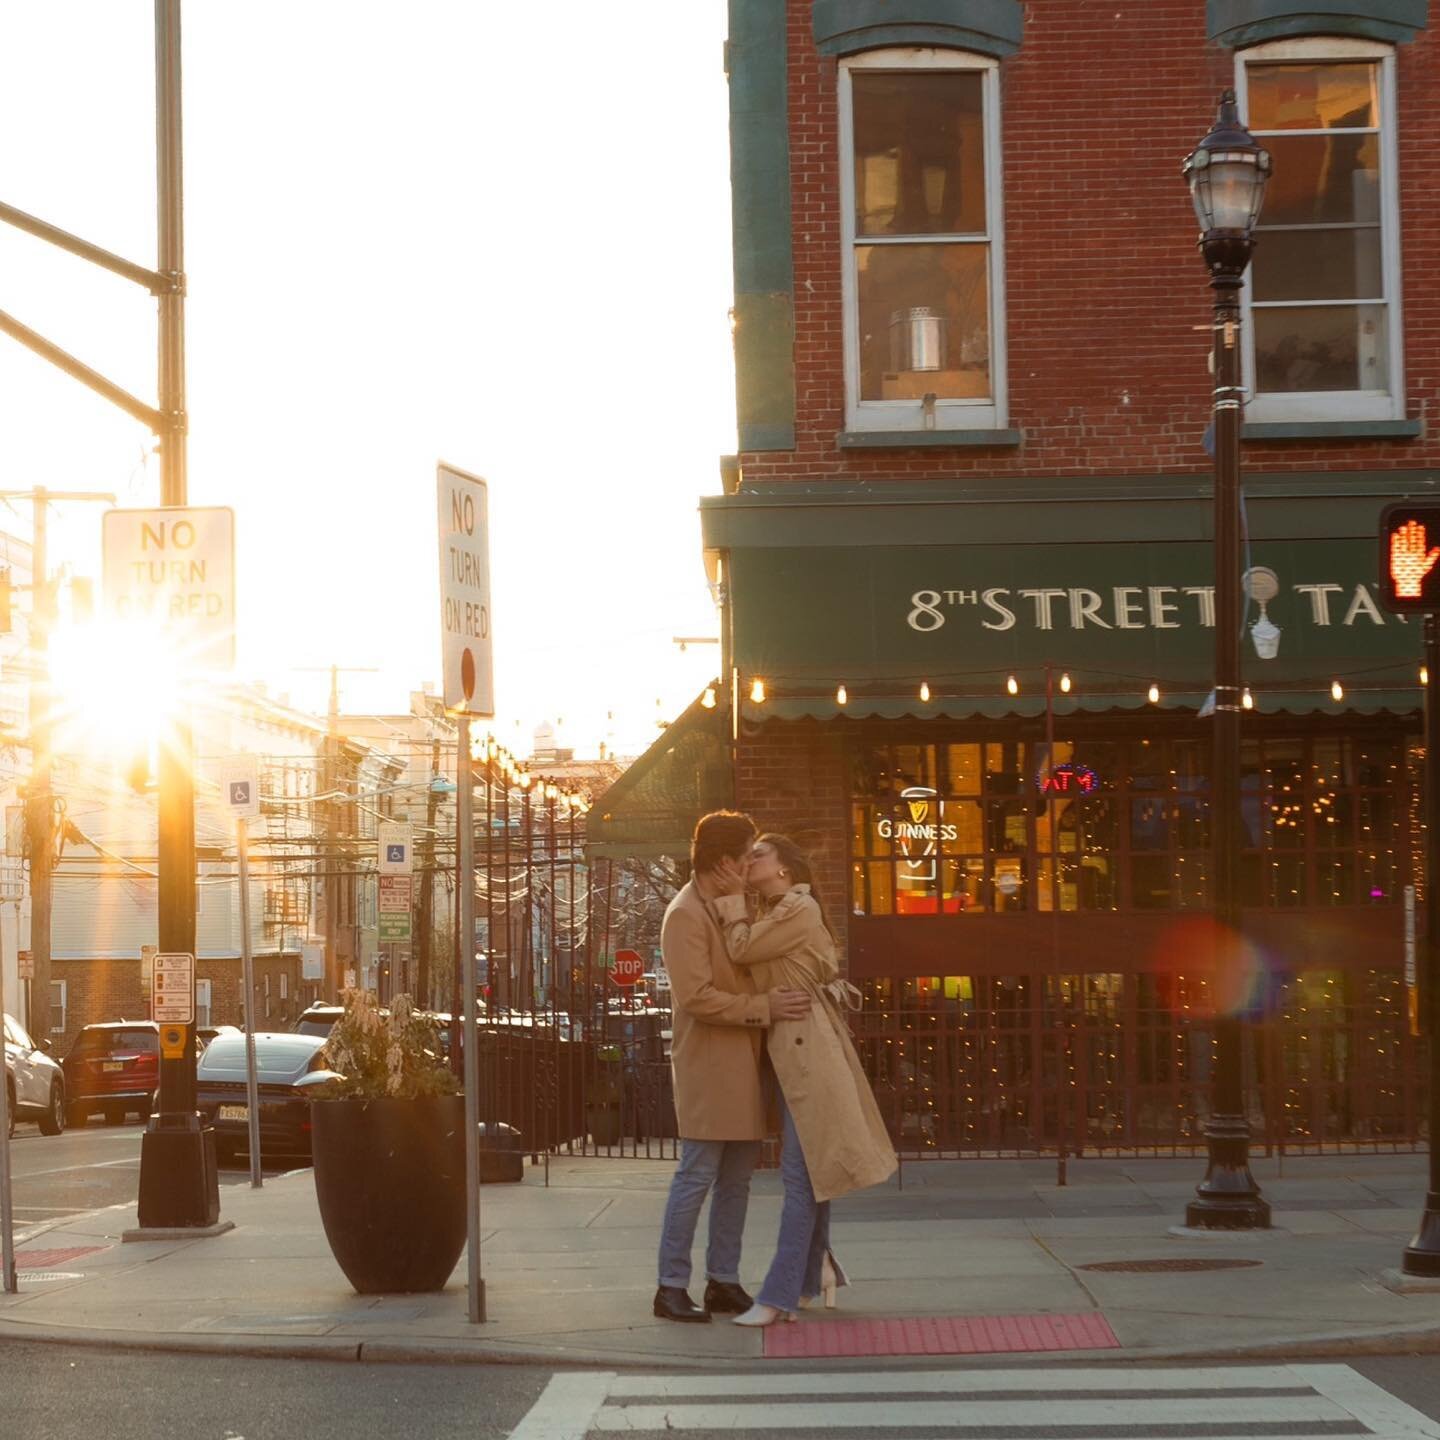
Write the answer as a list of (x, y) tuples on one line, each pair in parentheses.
[(465, 592)]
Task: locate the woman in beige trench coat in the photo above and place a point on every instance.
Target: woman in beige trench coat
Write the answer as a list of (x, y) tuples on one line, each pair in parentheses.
[(834, 1138)]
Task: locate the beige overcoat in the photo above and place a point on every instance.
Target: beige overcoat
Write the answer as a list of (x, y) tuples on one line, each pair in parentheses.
[(844, 1140), (719, 1028)]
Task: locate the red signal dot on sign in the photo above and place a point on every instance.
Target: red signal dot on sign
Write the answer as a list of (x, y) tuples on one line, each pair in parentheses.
[(467, 674)]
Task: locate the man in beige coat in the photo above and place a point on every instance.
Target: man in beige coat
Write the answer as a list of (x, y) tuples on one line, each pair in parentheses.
[(716, 1053)]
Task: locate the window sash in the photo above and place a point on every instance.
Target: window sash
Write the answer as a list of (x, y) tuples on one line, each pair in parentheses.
[(949, 413), (1356, 404), (59, 995)]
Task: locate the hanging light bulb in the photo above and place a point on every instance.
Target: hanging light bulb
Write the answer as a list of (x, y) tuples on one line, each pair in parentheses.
[(1247, 700), (1337, 690), (1065, 683), (708, 698), (1424, 674), (924, 692), (1153, 693), (757, 691), (842, 696), (1012, 685)]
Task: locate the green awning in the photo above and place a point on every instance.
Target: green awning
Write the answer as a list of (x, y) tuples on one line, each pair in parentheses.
[(1118, 617), (652, 808)]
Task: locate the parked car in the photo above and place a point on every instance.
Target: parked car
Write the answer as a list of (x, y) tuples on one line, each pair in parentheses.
[(318, 1019), (113, 1067), (287, 1068), (33, 1081)]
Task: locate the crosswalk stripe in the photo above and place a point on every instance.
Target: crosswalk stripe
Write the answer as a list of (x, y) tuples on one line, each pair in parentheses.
[(911, 1382), (970, 1414), (1287, 1402)]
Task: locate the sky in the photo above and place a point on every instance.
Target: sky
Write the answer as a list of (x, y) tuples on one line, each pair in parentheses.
[(432, 231)]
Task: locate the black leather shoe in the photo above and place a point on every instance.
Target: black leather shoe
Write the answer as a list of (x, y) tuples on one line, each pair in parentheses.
[(724, 1297), (673, 1303)]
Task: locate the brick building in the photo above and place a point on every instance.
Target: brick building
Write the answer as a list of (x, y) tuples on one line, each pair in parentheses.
[(965, 555)]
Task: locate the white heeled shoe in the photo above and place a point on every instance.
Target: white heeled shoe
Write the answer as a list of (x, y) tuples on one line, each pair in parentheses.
[(831, 1277), (758, 1315)]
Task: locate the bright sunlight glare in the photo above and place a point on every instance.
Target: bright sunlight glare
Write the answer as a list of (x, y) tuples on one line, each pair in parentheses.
[(115, 685)]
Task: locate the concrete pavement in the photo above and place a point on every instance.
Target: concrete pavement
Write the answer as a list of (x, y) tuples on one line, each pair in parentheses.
[(569, 1266)]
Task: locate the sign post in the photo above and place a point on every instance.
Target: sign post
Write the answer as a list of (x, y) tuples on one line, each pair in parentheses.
[(7, 1207), (464, 515), (1410, 584), (240, 787)]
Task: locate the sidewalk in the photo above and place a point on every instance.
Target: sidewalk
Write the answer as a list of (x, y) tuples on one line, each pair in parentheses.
[(569, 1269)]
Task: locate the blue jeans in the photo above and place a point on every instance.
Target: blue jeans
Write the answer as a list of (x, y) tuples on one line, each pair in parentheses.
[(721, 1166), (804, 1239)]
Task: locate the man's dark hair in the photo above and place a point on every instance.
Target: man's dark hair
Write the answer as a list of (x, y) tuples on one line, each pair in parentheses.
[(720, 835)]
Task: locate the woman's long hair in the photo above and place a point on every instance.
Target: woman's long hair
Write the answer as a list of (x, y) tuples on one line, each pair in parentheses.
[(795, 860)]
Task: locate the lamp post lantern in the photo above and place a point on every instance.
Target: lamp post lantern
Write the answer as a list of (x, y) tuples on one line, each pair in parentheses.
[(1227, 172)]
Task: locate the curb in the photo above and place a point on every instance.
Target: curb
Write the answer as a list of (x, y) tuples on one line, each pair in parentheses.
[(1421, 1340)]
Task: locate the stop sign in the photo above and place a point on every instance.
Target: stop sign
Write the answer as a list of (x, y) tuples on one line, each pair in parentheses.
[(629, 967)]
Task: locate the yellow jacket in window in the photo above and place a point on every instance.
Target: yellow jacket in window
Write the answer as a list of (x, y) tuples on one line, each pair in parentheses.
[(719, 1028), (844, 1140)]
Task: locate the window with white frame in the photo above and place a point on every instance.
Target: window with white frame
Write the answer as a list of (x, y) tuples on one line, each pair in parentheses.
[(922, 223), (1323, 289), (202, 1003), (267, 996), (58, 997)]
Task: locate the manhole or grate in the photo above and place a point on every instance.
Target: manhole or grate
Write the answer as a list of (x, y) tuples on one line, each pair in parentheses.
[(1168, 1267)]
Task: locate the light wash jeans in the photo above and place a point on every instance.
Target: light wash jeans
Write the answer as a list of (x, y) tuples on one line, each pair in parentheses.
[(724, 1166), (804, 1237)]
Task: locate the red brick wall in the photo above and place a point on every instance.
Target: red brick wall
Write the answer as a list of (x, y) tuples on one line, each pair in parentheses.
[(790, 776), (1107, 374), (99, 990)]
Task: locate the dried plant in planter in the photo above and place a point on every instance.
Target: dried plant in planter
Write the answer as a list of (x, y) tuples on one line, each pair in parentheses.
[(384, 1054)]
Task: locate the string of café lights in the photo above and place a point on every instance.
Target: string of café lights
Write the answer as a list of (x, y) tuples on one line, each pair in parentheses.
[(487, 750), (1064, 683)]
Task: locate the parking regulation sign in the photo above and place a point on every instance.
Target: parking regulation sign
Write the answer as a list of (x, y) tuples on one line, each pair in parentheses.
[(172, 991), (395, 843)]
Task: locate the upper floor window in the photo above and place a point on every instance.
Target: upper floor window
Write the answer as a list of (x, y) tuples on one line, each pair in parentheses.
[(1324, 287), (921, 218)]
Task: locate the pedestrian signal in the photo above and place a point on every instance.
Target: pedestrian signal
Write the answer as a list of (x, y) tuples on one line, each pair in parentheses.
[(1410, 557)]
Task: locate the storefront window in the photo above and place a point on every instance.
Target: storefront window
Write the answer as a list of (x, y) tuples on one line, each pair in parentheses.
[(1003, 826)]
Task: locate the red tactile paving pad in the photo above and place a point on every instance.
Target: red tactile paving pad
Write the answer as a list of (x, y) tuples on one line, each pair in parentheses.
[(46, 1259), (812, 1339)]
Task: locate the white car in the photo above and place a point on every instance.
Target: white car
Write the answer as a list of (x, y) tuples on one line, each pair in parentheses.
[(34, 1082)]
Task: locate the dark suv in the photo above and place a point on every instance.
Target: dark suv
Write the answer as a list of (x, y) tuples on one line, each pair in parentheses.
[(114, 1068)]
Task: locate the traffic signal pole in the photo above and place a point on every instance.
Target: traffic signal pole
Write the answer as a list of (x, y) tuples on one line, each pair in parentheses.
[(1422, 1254), (179, 1185)]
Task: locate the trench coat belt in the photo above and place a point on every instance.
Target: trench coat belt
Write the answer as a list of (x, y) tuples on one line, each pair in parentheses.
[(843, 993)]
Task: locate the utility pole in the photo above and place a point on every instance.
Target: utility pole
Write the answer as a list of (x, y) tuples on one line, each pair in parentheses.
[(425, 929), (39, 807), (39, 803), (332, 816)]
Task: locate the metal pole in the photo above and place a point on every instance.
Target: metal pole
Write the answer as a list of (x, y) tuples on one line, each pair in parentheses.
[(247, 974), (1228, 1198), (1422, 1254), (7, 1200), (465, 939), (1062, 1099)]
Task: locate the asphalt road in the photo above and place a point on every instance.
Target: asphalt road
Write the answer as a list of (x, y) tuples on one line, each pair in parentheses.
[(83, 1170), (61, 1392)]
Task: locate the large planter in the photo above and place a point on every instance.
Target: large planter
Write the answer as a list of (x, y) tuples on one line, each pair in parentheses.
[(390, 1179)]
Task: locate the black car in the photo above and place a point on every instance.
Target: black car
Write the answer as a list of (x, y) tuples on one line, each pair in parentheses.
[(287, 1069)]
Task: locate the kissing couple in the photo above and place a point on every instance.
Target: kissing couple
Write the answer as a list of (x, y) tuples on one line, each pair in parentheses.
[(759, 1027)]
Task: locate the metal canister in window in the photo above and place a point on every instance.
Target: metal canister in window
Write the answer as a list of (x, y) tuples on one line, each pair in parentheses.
[(917, 339)]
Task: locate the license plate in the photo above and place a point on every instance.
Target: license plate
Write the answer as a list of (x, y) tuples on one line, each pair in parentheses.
[(112, 1065), (233, 1112)]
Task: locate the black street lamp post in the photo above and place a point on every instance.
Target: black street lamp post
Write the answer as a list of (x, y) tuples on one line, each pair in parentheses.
[(1227, 172)]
